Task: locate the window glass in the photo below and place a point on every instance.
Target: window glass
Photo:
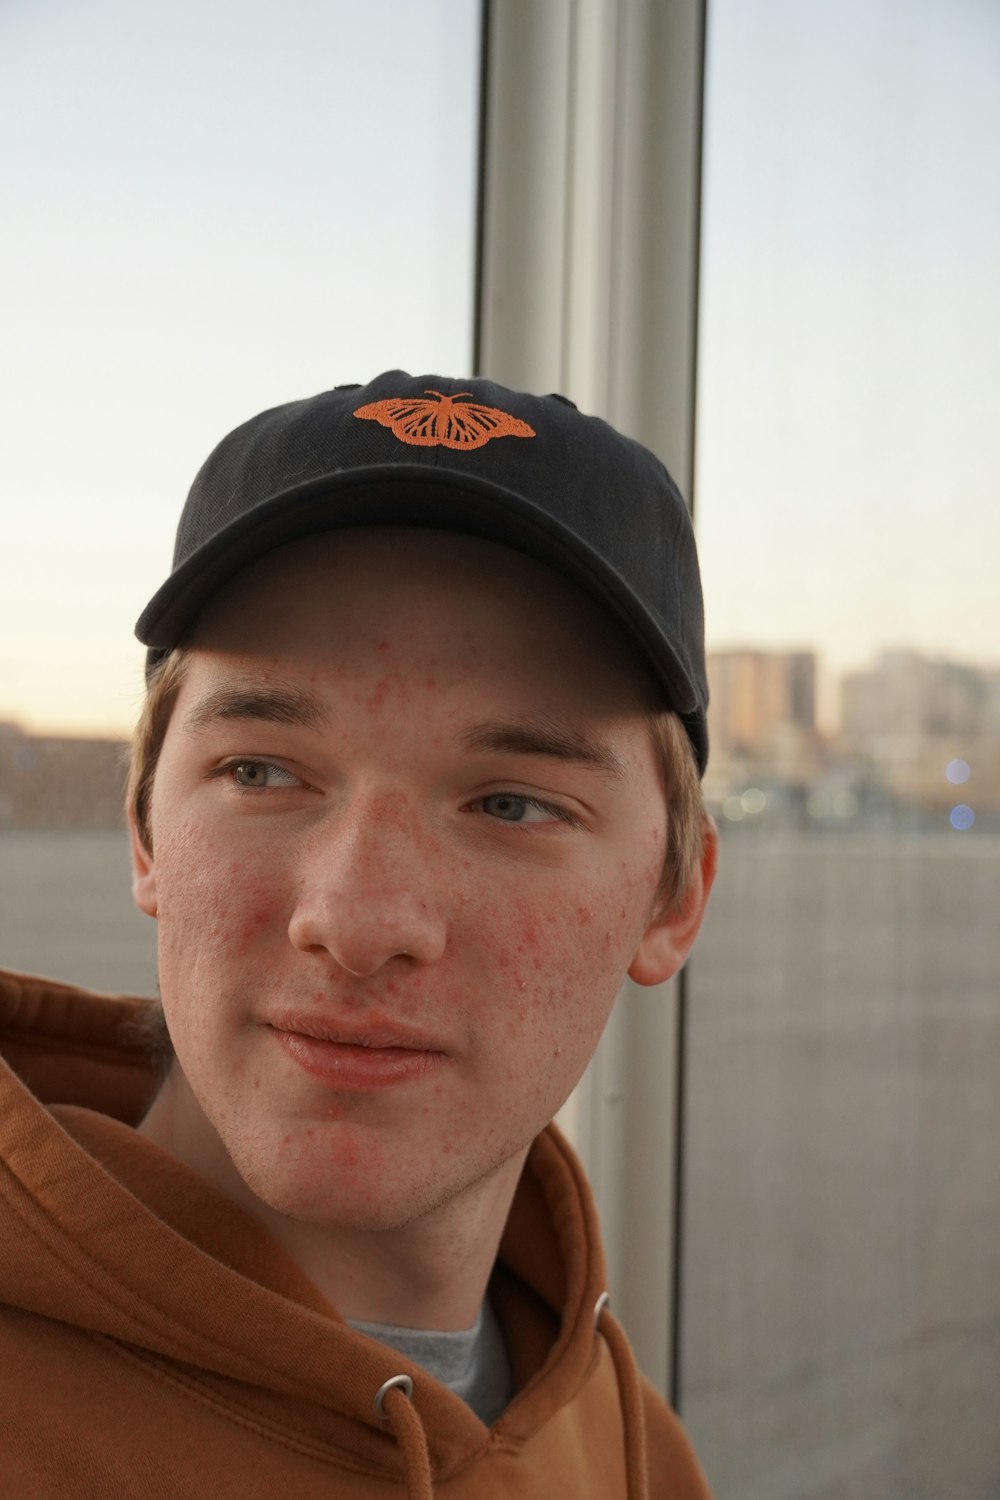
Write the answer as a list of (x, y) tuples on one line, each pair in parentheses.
[(208, 207), (841, 1269)]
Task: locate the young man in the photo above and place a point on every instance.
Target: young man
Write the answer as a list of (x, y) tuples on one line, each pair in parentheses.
[(416, 784)]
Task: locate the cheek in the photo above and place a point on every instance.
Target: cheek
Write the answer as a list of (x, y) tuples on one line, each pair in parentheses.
[(559, 964), (212, 907)]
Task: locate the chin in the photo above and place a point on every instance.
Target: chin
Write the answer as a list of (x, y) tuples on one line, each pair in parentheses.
[(337, 1181), (350, 1179)]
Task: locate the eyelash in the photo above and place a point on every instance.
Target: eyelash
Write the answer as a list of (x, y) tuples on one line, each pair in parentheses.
[(232, 766), (551, 809)]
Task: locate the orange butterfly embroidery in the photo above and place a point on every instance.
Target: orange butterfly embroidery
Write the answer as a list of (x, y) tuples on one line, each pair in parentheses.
[(448, 422)]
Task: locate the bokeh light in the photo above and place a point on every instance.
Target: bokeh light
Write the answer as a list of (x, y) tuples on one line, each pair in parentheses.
[(961, 817)]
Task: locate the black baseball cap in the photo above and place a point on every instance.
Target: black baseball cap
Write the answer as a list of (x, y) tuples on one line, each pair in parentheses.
[(531, 472)]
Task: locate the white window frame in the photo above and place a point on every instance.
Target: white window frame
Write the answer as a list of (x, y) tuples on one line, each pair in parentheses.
[(587, 284)]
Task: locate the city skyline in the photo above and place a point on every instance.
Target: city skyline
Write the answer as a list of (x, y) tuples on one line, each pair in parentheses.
[(765, 696), (826, 690)]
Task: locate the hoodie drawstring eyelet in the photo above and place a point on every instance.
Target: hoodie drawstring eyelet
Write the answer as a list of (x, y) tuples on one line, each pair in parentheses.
[(392, 1402), (630, 1399)]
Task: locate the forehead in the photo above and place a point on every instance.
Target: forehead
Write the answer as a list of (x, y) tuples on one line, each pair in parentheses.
[(421, 600)]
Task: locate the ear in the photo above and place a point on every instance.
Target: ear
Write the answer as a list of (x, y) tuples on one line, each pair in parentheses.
[(668, 938), (143, 872)]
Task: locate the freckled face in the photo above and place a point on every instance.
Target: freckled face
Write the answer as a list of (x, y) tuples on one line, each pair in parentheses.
[(407, 832)]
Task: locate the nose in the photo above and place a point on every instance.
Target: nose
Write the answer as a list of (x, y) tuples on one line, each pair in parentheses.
[(369, 893)]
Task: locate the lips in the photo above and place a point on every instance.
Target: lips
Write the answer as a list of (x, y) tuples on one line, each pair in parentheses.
[(371, 1034), (354, 1059)]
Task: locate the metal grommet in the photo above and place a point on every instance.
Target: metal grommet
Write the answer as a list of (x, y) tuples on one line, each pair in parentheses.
[(396, 1382), (603, 1301)]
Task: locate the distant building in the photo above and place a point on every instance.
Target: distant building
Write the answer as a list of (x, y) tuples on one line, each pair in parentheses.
[(920, 722), (53, 782), (919, 736), (920, 697), (763, 710)]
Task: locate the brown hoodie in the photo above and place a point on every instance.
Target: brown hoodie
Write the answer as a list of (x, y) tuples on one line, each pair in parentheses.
[(154, 1342)]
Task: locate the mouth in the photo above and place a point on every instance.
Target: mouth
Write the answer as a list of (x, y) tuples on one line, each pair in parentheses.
[(355, 1059)]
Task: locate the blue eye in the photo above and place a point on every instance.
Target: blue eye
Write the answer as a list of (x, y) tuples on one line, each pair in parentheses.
[(257, 775), (510, 808)]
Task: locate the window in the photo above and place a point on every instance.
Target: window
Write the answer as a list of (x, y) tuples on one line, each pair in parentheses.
[(841, 1269), (209, 208)]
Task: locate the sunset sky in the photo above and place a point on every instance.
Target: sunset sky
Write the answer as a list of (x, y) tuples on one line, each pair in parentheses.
[(212, 207)]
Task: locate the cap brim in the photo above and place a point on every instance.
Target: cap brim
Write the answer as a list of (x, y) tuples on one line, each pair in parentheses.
[(404, 495)]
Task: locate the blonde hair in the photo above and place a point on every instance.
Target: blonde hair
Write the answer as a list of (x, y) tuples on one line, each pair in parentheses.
[(687, 818), (162, 687)]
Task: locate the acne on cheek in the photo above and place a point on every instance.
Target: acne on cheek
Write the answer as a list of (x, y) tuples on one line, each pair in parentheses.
[(518, 1019), (254, 923), (225, 902), (197, 877), (531, 944)]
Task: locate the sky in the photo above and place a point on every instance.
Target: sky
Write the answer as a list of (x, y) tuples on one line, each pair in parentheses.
[(848, 446), (207, 208)]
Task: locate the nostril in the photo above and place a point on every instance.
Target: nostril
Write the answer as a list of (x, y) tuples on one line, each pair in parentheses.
[(362, 932)]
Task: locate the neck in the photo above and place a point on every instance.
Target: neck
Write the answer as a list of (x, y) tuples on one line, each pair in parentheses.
[(431, 1272)]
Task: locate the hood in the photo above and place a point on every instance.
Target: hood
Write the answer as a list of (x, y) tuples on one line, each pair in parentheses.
[(103, 1231)]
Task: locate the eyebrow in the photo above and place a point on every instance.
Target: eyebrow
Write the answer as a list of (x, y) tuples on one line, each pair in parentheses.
[(544, 737), (534, 736), (247, 702)]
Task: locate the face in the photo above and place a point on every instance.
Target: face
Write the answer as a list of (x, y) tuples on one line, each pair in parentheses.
[(407, 831)]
